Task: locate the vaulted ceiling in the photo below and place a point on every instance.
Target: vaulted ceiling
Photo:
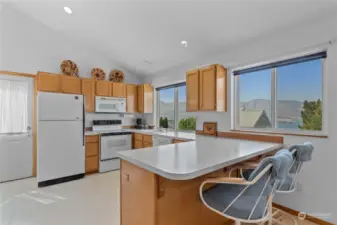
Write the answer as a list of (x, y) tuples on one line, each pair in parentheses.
[(130, 32)]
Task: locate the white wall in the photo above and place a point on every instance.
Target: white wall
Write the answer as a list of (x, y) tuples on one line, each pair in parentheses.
[(28, 46), (318, 180)]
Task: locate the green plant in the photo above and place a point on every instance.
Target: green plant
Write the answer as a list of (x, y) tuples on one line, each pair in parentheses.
[(187, 124), (163, 122), (311, 115)]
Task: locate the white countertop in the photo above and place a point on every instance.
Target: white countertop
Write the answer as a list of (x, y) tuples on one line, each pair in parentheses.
[(189, 160), (183, 135)]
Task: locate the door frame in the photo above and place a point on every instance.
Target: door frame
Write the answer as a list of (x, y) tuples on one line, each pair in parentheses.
[(4, 72)]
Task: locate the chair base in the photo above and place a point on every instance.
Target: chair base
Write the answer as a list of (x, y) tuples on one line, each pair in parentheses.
[(277, 220)]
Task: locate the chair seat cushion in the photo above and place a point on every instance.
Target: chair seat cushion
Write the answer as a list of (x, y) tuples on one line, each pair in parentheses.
[(220, 196), (286, 184)]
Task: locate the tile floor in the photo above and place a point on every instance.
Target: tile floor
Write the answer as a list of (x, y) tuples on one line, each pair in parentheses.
[(88, 201), (92, 200)]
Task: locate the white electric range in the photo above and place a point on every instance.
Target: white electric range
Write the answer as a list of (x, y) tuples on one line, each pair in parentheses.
[(112, 140)]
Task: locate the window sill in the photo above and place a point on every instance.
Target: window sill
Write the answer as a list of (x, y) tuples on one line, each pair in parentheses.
[(280, 133)]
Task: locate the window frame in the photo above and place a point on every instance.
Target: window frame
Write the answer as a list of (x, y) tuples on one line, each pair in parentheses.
[(176, 103), (274, 129)]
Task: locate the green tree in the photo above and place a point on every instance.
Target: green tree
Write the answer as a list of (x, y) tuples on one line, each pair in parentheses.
[(187, 124), (165, 122), (311, 115)]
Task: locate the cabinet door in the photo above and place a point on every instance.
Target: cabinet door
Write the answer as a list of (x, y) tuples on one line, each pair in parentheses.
[(147, 145), (138, 144), (91, 149), (103, 88), (71, 85), (49, 82), (91, 164), (207, 88), (221, 89), (131, 98), (148, 98), (118, 90), (88, 90), (192, 90), (140, 90)]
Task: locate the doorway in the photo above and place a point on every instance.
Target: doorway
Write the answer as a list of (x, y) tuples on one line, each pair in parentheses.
[(16, 127)]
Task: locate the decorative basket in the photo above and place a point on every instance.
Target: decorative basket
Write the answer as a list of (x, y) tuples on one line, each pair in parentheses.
[(69, 68), (116, 76), (98, 74)]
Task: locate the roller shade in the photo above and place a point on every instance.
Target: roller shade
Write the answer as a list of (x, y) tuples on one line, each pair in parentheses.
[(171, 86), (306, 58)]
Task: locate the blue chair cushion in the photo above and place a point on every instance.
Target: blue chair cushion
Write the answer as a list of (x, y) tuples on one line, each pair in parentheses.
[(286, 184), (220, 196)]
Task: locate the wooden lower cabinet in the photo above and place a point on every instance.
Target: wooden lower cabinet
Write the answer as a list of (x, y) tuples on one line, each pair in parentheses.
[(91, 153), (138, 144), (142, 140), (91, 164)]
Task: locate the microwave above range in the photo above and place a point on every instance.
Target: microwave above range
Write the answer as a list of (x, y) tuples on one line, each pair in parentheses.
[(110, 105)]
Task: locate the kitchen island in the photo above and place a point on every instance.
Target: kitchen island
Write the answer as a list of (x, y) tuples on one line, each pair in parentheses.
[(160, 185)]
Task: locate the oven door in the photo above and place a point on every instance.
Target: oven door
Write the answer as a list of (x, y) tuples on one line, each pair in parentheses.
[(110, 145)]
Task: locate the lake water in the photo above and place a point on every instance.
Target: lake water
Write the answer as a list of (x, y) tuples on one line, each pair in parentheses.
[(292, 125)]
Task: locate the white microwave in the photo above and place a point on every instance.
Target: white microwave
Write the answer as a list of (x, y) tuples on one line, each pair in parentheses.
[(110, 105)]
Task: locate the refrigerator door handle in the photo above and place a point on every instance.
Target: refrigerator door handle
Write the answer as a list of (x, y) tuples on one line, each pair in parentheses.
[(83, 125)]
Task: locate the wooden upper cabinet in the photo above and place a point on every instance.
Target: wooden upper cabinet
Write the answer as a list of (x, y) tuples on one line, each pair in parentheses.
[(88, 90), (131, 98), (145, 98), (70, 85), (192, 90), (118, 90), (207, 88), (221, 89), (49, 82), (103, 88)]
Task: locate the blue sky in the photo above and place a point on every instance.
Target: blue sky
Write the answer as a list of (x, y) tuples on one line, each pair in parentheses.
[(167, 95), (302, 81)]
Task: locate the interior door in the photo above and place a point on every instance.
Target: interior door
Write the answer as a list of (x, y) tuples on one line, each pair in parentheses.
[(16, 139)]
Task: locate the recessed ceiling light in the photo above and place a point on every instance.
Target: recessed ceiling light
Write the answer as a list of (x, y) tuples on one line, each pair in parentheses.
[(147, 61), (68, 10), (184, 44)]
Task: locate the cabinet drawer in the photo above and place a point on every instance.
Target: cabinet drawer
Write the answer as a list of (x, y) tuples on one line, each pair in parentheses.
[(138, 144), (91, 149), (92, 138), (147, 144), (139, 137), (91, 164), (147, 138)]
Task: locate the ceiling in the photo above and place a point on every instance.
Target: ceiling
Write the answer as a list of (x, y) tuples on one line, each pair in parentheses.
[(130, 31)]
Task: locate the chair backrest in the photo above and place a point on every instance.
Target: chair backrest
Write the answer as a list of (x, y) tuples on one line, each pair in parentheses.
[(301, 153)]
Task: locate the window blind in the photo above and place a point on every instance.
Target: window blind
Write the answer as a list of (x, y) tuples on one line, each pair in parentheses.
[(286, 62), (171, 86)]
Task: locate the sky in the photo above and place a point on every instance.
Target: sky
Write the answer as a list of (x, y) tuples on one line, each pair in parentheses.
[(167, 95), (302, 81)]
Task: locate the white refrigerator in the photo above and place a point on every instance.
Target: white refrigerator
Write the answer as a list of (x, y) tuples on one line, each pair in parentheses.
[(60, 138)]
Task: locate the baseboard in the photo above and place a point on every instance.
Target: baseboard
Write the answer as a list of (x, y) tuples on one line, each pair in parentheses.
[(295, 213)]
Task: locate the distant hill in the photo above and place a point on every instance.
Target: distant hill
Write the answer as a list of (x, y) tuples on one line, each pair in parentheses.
[(286, 109), (167, 110)]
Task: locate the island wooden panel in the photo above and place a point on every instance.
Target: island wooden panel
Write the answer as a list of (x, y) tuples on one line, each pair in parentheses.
[(163, 201)]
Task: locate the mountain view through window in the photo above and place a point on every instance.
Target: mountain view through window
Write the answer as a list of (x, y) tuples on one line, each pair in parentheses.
[(298, 97)]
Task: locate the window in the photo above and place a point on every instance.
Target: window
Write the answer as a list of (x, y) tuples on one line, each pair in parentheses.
[(171, 108), (285, 95), (13, 106)]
